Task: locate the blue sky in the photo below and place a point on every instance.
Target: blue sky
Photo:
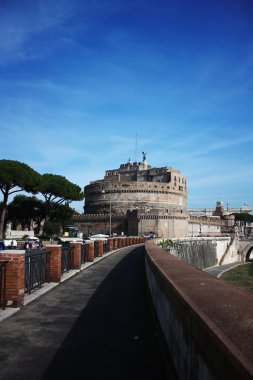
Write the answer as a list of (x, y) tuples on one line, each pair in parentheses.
[(86, 85)]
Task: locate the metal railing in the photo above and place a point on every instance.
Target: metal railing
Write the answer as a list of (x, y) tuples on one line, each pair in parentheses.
[(3, 283), (66, 258), (83, 254), (105, 246), (96, 248), (36, 269)]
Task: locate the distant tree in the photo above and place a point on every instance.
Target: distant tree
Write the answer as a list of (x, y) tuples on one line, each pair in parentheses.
[(243, 217), (58, 216), (62, 214), (57, 190), (25, 211), (51, 228), (16, 176)]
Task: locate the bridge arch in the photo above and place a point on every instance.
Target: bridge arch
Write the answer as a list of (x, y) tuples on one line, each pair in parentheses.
[(247, 253)]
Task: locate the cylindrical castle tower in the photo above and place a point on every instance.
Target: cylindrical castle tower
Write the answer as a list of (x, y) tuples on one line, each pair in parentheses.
[(137, 186)]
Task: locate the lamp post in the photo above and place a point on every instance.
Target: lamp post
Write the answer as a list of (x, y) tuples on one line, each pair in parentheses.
[(110, 212)]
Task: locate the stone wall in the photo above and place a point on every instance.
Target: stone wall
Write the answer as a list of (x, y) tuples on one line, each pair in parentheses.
[(206, 252), (133, 195), (206, 322)]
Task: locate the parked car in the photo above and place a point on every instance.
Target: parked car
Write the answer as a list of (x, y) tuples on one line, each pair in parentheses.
[(10, 243)]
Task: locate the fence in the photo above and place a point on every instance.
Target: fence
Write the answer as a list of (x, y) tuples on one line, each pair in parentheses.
[(24, 271), (3, 283), (83, 254), (96, 248), (66, 259), (36, 269), (105, 246)]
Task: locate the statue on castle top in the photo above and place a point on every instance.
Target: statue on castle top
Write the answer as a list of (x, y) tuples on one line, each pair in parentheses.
[(144, 156)]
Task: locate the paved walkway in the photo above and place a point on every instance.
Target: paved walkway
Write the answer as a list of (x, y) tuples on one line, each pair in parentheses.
[(97, 325), (218, 270)]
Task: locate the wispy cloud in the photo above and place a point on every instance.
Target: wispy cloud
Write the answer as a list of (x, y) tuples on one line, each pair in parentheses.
[(79, 79), (21, 23)]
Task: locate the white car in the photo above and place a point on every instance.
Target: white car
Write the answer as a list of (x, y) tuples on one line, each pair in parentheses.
[(10, 243)]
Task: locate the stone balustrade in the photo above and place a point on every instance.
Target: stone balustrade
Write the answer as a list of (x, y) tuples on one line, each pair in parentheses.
[(206, 322)]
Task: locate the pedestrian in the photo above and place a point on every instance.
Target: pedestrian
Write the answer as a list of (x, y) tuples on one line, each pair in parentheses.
[(2, 245)]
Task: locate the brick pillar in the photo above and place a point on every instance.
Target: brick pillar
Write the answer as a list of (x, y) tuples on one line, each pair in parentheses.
[(100, 245), (90, 251), (127, 241), (119, 242), (15, 276), (54, 262), (110, 245), (76, 255)]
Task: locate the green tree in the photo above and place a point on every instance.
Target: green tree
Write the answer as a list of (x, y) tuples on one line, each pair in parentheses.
[(62, 214), (26, 210), (51, 228), (57, 190), (243, 218), (58, 216), (16, 176)]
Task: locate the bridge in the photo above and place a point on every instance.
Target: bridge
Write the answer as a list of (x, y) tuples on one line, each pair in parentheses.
[(246, 249), (138, 313)]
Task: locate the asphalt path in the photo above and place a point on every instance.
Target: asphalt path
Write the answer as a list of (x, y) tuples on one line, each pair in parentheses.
[(218, 270), (97, 325)]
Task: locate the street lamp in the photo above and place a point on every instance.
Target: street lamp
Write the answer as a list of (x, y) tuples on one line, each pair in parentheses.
[(110, 212)]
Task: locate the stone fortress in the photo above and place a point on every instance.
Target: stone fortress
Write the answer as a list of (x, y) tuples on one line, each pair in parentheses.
[(136, 185), (138, 199)]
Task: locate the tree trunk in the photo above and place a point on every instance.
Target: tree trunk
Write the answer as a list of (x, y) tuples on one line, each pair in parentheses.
[(2, 218)]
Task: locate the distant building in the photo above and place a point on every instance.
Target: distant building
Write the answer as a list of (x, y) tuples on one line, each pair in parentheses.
[(219, 210), (226, 216)]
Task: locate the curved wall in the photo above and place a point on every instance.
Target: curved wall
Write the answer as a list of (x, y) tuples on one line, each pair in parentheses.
[(207, 323), (125, 196)]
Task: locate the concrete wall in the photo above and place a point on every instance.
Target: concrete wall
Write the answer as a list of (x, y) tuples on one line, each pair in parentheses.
[(206, 252), (16, 234), (206, 323)]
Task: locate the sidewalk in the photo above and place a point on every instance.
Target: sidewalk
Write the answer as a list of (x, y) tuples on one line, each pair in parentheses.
[(96, 325), (46, 287)]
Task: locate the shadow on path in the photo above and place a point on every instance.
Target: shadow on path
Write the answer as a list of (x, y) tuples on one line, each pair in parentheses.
[(114, 337), (97, 325)]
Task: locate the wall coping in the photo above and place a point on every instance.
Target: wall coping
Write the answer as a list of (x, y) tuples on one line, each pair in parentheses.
[(54, 245), (12, 251), (227, 311)]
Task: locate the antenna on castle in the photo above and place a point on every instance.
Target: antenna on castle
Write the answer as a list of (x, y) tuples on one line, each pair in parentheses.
[(136, 143)]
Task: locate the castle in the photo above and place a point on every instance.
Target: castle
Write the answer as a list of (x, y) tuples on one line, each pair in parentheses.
[(136, 199)]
